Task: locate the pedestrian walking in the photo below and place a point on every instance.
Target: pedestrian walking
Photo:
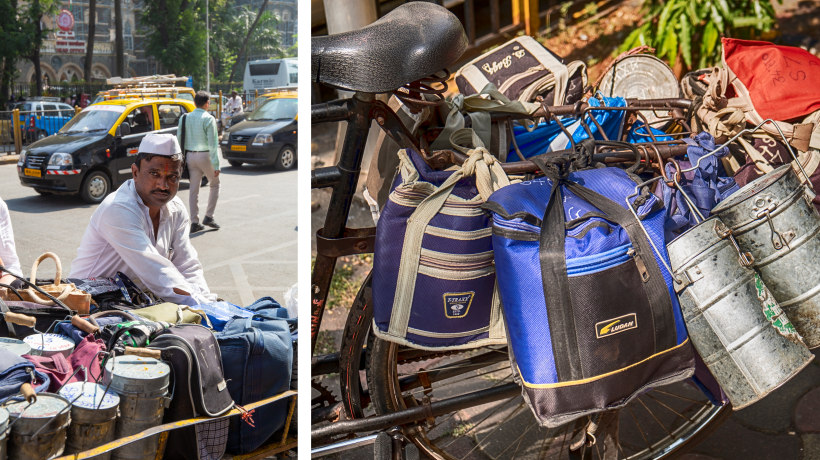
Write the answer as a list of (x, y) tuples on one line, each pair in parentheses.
[(197, 130)]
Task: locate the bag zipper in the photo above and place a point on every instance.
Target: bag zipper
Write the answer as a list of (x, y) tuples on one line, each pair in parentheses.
[(599, 262)]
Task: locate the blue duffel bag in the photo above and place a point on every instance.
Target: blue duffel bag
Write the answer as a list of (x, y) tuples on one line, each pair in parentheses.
[(257, 357), (590, 309), (15, 371)]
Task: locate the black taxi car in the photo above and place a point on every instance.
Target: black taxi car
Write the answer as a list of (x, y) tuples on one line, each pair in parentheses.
[(92, 154), (266, 136)]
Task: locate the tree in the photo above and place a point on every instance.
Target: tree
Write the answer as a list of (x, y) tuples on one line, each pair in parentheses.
[(175, 35), (22, 38), (118, 41), (36, 14), (238, 27), (92, 29), (14, 35), (247, 37)]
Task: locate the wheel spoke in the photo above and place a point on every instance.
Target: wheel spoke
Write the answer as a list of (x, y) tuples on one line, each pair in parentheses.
[(666, 406), (654, 417), (486, 431), (638, 426)]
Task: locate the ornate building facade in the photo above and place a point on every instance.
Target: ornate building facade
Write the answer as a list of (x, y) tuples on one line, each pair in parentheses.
[(62, 55)]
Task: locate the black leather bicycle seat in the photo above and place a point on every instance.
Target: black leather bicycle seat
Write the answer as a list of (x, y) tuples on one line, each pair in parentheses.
[(411, 42)]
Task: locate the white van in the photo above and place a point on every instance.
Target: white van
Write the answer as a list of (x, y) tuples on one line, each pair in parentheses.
[(270, 73)]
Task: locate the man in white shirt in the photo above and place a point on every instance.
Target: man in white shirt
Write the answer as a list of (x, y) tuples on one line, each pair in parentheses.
[(234, 104), (142, 230), (8, 252), (232, 107)]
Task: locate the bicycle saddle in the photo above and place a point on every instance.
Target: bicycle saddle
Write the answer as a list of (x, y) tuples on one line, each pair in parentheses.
[(411, 42)]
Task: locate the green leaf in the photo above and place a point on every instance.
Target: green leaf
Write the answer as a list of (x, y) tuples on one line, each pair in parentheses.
[(709, 42), (633, 39), (724, 8), (686, 40), (668, 11), (693, 14), (717, 19), (670, 48), (750, 21)]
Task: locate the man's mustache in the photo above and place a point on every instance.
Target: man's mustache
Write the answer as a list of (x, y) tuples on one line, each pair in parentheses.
[(160, 190)]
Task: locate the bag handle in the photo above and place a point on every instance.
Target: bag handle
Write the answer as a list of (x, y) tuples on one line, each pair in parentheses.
[(57, 280), (489, 177)]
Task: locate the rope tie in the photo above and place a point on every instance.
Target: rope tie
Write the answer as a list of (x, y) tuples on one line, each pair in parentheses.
[(715, 97), (247, 415), (725, 122)]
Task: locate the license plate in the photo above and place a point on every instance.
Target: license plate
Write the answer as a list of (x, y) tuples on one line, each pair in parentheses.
[(239, 148), (32, 172)]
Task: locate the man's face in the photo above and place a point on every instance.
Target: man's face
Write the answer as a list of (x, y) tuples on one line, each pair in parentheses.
[(157, 180)]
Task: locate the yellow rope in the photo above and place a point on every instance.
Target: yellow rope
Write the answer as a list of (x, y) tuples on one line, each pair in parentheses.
[(170, 426)]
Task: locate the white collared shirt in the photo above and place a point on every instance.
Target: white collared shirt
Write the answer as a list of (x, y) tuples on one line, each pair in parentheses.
[(120, 237), (234, 105), (8, 252)]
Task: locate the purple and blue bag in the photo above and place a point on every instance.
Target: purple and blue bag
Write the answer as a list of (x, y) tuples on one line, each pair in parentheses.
[(591, 313), (433, 272)]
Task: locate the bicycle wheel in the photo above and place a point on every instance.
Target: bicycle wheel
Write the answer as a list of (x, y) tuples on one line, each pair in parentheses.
[(358, 324), (654, 425)]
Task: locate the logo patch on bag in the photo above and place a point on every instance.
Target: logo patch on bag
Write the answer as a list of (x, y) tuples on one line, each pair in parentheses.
[(616, 325), (457, 304)]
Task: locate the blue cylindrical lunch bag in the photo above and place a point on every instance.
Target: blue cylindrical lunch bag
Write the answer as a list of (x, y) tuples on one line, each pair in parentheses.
[(591, 313), (433, 274)]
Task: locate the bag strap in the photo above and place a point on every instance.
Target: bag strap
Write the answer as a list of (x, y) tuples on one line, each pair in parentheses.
[(489, 177), (201, 313), (182, 132), (552, 256), (67, 288)]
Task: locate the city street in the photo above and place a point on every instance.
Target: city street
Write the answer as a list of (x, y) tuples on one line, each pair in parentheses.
[(251, 256)]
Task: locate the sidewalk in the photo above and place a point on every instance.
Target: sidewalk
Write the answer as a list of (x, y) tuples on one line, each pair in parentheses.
[(8, 159)]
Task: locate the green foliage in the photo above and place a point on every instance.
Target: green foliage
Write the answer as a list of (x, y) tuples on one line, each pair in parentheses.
[(18, 28), (229, 30), (175, 34), (691, 28)]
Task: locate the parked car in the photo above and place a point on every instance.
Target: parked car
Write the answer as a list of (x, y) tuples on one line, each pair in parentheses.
[(40, 119), (93, 153), (266, 136)]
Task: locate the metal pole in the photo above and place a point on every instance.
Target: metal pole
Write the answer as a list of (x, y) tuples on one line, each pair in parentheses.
[(207, 50)]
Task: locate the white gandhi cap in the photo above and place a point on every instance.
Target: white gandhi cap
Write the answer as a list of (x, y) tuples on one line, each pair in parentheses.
[(161, 144)]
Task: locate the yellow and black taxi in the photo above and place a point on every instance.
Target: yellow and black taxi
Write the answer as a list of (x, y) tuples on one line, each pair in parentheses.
[(92, 154), (266, 136)]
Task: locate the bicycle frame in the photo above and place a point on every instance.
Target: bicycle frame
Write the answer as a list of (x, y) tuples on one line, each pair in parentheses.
[(334, 240)]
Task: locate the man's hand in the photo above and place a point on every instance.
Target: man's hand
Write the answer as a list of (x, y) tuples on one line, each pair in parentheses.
[(216, 173)]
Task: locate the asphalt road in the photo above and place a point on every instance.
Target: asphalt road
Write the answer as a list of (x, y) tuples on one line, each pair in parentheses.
[(251, 256)]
